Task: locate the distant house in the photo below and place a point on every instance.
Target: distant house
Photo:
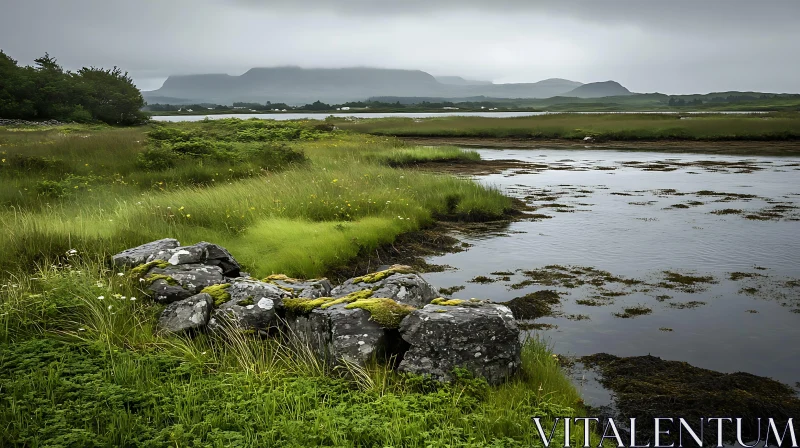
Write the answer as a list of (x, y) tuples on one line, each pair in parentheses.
[(345, 108)]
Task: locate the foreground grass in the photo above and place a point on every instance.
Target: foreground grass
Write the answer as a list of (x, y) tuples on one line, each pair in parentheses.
[(81, 365), (782, 126)]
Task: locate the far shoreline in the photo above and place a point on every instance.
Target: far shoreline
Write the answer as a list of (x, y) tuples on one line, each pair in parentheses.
[(731, 147)]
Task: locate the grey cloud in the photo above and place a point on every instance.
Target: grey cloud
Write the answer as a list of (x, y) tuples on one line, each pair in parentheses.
[(670, 46)]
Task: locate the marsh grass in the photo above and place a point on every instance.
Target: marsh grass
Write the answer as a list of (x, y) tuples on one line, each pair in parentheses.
[(307, 216), (783, 126)]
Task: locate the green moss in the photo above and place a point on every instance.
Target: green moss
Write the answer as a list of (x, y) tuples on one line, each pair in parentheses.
[(219, 293), (280, 277), (144, 268), (152, 278), (380, 275), (246, 302), (385, 312), (304, 305), (445, 302)]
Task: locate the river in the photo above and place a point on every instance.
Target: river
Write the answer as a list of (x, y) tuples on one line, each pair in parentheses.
[(322, 116), (641, 216)]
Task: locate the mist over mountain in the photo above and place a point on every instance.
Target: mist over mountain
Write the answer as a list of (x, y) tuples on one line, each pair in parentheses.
[(297, 86), (459, 81), (599, 90)]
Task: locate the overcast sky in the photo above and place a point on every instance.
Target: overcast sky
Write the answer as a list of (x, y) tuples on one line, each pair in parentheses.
[(670, 46)]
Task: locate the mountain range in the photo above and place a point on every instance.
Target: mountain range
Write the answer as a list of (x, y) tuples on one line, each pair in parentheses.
[(297, 86)]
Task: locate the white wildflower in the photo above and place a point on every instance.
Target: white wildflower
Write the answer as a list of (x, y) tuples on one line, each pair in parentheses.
[(101, 297)]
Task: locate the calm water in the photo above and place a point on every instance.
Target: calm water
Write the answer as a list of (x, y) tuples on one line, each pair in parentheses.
[(313, 116), (611, 214)]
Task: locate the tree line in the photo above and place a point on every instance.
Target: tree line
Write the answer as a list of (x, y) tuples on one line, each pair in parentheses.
[(45, 91)]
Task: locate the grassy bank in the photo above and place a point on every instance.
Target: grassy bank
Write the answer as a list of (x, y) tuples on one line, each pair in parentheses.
[(603, 127), (80, 363)]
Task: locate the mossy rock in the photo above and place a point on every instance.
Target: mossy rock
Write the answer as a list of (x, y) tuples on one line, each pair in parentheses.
[(445, 302), (380, 275), (141, 270), (246, 302), (305, 305), (441, 301), (152, 278), (385, 312), (280, 277), (219, 293)]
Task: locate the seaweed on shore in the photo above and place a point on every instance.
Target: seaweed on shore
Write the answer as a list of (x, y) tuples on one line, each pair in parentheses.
[(534, 305), (648, 387)]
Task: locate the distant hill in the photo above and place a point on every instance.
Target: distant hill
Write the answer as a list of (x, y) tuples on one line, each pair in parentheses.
[(297, 86), (599, 90)]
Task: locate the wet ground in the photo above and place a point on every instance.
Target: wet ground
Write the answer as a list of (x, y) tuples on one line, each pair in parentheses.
[(686, 257)]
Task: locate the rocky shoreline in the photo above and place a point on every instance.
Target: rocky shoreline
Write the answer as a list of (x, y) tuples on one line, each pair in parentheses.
[(392, 315)]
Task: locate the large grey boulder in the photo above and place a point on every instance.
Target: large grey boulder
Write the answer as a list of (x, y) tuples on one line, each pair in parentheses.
[(253, 305), (173, 283), (200, 253), (480, 337), (338, 334), (396, 283), (140, 254), (186, 315)]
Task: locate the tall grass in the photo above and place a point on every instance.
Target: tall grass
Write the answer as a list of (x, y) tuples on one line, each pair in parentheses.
[(783, 126), (300, 221)]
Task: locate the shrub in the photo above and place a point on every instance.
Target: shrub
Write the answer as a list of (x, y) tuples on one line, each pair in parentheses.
[(51, 189), (156, 159)]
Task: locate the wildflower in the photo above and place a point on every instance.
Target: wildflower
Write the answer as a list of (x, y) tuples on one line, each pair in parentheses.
[(81, 329), (101, 297), (72, 252), (110, 306), (120, 274), (189, 216), (133, 299)]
